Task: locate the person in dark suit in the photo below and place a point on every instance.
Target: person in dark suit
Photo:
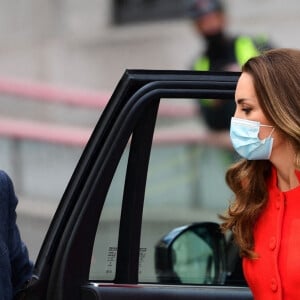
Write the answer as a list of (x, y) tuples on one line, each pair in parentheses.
[(15, 266)]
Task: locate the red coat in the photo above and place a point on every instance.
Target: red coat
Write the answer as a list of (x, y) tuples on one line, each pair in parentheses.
[(276, 273)]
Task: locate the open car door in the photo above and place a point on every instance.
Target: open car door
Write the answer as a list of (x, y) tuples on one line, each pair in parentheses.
[(99, 245)]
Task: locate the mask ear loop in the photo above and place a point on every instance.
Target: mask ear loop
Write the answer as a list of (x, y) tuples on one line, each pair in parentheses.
[(271, 130)]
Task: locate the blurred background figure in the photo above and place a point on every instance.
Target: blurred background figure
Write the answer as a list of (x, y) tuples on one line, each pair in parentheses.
[(223, 52)]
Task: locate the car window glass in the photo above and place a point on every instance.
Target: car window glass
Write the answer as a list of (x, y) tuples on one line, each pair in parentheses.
[(185, 182), (103, 264), (193, 256)]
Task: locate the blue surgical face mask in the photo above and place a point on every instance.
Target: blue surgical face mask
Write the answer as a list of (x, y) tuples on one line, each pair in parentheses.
[(245, 140)]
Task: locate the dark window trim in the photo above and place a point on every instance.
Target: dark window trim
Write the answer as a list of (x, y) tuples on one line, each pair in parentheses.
[(140, 11)]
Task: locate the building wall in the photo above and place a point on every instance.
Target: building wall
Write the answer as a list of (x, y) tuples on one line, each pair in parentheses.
[(73, 42)]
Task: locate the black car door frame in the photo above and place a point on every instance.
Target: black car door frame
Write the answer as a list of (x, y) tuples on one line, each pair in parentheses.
[(62, 267)]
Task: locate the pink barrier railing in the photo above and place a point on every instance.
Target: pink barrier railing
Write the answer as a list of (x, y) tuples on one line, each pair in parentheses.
[(78, 136), (75, 136), (71, 135), (44, 132), (86, 98), (47, 93)]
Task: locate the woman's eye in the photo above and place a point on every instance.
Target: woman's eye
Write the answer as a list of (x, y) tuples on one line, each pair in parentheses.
[(246, 110)]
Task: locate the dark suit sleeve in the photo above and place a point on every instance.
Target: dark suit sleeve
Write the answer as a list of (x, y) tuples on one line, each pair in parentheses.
[(21, 266)]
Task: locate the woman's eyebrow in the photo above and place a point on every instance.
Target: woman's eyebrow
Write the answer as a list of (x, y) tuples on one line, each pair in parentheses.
[(240, 100)]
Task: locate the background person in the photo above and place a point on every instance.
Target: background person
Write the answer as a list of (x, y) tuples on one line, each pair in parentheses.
[(15, 266), (222, 52), (265, 214)]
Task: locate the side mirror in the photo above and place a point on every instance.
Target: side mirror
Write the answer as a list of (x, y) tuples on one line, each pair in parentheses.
[(192, 254)]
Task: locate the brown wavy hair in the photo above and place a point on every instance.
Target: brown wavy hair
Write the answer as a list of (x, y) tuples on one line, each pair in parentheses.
[(276, 79)]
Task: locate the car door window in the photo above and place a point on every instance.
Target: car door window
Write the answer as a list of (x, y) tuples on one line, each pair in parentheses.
[(185, 184), (181, 189), (103, 264)]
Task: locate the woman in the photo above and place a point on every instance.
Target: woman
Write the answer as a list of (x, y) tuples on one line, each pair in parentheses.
[(15, 267), (265, 214)]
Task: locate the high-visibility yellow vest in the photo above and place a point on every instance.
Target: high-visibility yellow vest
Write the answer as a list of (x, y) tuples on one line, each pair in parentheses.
[(244, 49)]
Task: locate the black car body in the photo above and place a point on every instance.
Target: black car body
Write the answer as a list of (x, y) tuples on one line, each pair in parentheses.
[(79, 259)]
